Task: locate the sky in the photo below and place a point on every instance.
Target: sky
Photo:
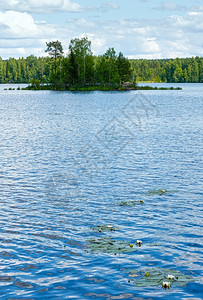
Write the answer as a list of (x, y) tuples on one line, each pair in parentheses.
[(138, 28)]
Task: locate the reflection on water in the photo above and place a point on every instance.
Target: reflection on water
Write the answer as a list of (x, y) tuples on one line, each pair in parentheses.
[(83, 176)]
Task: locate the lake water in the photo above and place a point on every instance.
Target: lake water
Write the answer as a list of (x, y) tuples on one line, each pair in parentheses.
[(83, 176)]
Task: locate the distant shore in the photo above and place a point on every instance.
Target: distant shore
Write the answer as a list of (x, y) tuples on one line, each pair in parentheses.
[(99, 89), (93, 88)]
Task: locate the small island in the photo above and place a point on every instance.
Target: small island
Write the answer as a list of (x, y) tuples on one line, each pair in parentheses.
[(80, 70)]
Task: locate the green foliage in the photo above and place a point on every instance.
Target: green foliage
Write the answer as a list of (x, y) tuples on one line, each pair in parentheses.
[(160, 192), (35, 84), (156, 276), (130, 203), (80, 70), (80, 60), (70, 69), (1, 71), (55, 51), (109, 245), (23, 70), (104, 228), (164, 70), (124, 68)]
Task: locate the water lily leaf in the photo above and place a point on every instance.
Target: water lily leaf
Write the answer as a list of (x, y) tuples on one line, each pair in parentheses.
[(130, 202), (146, 283), (155, 244), (156, 276), (109, 245), (157, 192), (104, 228), (160, 192)]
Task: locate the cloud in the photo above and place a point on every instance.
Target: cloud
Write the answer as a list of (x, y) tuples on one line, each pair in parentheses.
[(41, 6), (175, 36), (22, 25), (52, 6), (21, 35), (151, 45), (105, 7), (180, 36), (3, 27), (169, 37), (171, 6)]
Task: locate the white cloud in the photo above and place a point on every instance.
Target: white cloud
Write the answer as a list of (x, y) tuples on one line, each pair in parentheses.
[(52, 6), (18, 24), (80, 23), (21, 35), (140, 38), (151, 45), (22, 25), (108, 6), (181, 35), (41, 6), (171, 6)]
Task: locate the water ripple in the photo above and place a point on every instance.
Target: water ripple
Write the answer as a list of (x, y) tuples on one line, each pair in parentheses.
[(61, 175)]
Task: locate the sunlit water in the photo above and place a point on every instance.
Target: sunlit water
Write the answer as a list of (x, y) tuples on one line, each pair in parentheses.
[(67, 162)]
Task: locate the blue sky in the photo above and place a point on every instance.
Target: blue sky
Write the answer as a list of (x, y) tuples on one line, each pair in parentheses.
[(138, 28)]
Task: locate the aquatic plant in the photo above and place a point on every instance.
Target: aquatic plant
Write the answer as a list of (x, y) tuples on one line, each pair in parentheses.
[(166, 284), (130, 202), (139, 243), (158, 277), (171, 277), (157, 192), (105, 228), (109, 245)]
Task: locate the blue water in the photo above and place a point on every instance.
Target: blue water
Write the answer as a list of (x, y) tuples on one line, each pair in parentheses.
[(67, 160)]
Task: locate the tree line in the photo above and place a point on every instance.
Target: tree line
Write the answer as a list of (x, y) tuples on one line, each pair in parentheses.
[(168, 70), (23, 70), (81, 68)]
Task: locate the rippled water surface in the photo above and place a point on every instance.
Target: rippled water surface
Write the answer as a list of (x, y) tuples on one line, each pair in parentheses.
[(83, 176)]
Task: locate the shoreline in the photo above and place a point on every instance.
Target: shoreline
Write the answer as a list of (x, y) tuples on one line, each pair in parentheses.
[(94, 88)]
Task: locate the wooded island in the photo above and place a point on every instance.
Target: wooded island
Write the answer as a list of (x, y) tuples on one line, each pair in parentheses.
[(81, 69)]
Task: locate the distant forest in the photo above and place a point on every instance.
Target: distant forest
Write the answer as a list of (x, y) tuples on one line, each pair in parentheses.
[(168, 70), (81, 67)]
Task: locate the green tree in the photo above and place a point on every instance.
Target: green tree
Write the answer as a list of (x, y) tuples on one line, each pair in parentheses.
[(177, 71), (194, 70), (163, 75), (80, 56), (55, 50), (102, 71), (113, 75), (200, 63), (185, 75), (1, 71), (169, 71), (124, 68), (72, 68)]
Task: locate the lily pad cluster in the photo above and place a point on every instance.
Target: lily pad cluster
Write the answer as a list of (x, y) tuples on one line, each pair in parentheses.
[(131, 203), (104, 228), (147, 277), (157, 192), (109, 245), (158, 277), (160, 192)]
